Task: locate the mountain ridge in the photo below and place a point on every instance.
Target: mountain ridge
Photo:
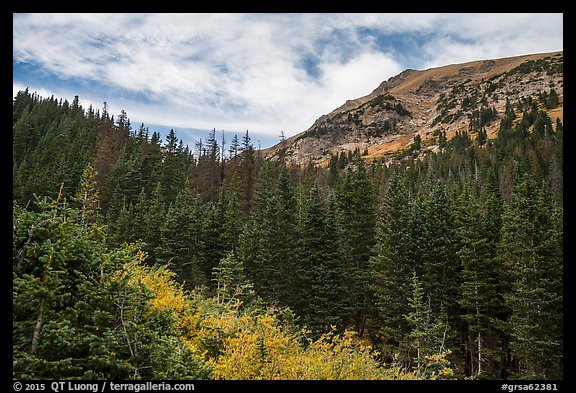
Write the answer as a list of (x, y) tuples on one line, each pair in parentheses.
[(429, 102)]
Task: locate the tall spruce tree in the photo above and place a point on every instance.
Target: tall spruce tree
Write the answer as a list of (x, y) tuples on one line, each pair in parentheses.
[(173, 168), (531, 251), (320, 270), (357, 198), (181, 239), (392, 264), (440, 264), (153, 216), (212, 250), (481, 298), (427, 335), (287, 235), (229, 203), (258, 242)]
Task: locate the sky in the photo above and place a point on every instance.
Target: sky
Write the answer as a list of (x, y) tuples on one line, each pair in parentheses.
[(265, 73)]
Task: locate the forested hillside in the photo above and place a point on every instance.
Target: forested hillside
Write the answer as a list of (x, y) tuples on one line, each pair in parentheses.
[(138, 257)]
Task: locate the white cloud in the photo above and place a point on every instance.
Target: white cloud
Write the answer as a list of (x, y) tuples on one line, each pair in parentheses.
[(245, 71), (468, 37), (356, 78)]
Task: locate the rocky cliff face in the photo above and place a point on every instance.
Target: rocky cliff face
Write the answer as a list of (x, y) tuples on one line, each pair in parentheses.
[(433, 102)]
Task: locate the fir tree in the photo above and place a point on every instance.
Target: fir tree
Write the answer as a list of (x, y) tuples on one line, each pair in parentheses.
[(87, 196), (173, 170), (154, 213), (286, 235), (427, 336), (440, 265), (258, 251), (531, 250), (392, 263), (481, 297), (77, 314), (234, 146), (181, 239), (229, 203), (230, 281), (356, 194), (321, 283)]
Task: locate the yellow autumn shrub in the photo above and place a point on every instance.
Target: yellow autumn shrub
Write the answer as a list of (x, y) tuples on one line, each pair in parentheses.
[(253, 344), (167, 296), (262, 350)]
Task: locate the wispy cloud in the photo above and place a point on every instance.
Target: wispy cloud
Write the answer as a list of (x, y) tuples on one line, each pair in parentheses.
[(263, 72)]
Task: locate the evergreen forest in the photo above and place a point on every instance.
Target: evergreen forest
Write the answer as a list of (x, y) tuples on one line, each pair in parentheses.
[(139, 257)]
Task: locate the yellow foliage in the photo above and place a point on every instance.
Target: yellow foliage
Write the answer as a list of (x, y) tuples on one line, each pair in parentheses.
[(437, 367), (238, 344), (262, 350), (166, 296)]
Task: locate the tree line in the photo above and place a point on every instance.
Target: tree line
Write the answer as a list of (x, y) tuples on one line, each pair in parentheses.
[(449, 261)]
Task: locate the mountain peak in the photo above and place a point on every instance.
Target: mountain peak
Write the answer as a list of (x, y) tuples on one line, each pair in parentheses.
[(427, 102)]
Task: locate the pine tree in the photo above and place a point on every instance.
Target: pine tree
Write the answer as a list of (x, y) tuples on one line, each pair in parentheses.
[(481, 297), (229, 203), (208, 176), (392, 264), (356, 194), (173, 170), (440, 265), (321, 283), (230, 281), (154, 214), (22, 103), (246, 144), (87, 196), (78, 310), (258, 244), (248, 173), (234, 146), (52, 321), (181, 239), (25, 136), (151, 153), (113, 187), (139, 209), (531, 251), (109, 145), (212, 250), (427, 336), (286, 235)]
